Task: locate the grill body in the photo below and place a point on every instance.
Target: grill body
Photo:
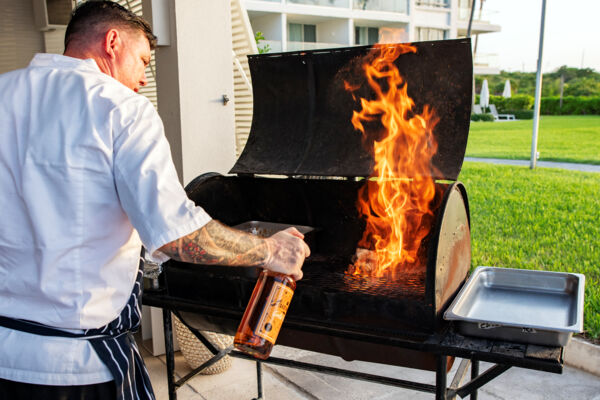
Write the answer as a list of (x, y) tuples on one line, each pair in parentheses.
[(327, 296), (302, 130)]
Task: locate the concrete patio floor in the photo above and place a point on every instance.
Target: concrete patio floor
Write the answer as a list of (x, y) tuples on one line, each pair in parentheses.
[(281, 383)]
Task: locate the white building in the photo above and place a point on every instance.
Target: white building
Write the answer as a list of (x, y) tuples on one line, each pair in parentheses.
[(201, 60), (289, 25)]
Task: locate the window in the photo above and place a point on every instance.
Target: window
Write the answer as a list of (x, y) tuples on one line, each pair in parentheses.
[(434, 3), (424, 34), (302, 33), (366, 35)]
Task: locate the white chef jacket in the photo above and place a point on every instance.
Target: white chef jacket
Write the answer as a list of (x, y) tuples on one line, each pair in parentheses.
[(85, 172)]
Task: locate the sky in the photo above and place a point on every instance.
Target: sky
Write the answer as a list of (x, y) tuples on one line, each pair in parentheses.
[(572, 34)]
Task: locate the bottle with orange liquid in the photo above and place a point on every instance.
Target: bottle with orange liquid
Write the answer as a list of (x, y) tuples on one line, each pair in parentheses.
[(264, 314)]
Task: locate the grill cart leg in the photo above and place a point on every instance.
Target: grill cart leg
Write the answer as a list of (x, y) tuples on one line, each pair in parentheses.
[(474, 374), (477, 380), (170, 353), (440, 377), (458, 378), (259, 387), (492, 373)]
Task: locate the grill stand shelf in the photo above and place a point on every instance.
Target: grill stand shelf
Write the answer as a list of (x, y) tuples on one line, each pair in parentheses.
[(502, 354)]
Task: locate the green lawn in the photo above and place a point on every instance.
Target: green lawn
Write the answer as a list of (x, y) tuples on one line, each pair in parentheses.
[(561, 138), (543, 219)]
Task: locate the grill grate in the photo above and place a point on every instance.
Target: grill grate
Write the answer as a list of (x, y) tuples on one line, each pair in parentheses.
[(410, 286)]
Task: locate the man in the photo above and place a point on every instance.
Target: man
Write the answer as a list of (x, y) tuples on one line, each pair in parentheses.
[(86, 173)]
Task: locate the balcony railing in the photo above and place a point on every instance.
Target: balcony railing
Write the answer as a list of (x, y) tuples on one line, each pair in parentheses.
[(399, 6), (326, 3), (479, 15), (298, 46), (434, 3), (273, 46)]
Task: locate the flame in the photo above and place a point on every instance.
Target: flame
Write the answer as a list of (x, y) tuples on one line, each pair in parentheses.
[(392, 35), (396, 200)]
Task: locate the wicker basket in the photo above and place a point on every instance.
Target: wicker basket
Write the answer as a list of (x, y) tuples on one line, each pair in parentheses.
[(195, 353)]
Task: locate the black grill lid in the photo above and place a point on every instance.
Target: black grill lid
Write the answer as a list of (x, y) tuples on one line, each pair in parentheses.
[(301, 122)]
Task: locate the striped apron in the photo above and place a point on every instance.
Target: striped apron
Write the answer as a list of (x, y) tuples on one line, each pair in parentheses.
[(114, 344)]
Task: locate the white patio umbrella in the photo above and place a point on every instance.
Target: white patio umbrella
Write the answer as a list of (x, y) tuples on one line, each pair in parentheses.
[(484, 96), (506, 93)]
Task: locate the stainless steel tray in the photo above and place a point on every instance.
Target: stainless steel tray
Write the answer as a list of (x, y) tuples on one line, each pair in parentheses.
[(538, 307), (266, 229)]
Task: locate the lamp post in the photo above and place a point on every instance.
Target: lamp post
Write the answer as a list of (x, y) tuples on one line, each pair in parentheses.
[(538, 93)]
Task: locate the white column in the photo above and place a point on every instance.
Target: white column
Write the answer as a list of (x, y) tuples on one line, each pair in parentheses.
[(193, 74), (284, 32), (411, 29), (453, 20)]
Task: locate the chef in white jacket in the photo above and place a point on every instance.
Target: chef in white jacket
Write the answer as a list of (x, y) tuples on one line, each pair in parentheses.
[(86, 178)]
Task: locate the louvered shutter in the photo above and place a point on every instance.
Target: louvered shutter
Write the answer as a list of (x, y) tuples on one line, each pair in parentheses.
[(243, 44), (19, 38)]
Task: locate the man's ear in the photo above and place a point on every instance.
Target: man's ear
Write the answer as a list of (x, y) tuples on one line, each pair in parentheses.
[(112, 43)]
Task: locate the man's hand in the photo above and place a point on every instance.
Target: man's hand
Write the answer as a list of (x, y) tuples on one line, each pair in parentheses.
[(287, 252), (218, 244)]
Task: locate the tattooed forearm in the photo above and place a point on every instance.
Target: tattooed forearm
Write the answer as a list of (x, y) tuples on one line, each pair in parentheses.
[(283, 252), (218, 244)]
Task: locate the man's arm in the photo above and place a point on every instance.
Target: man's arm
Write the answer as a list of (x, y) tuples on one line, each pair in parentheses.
[(217, 244)]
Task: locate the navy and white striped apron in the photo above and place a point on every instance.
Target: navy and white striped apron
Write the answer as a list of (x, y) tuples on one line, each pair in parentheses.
[(114, 344)]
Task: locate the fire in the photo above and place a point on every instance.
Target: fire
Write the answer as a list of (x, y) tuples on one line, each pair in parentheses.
[(396, 200), (392, 35)]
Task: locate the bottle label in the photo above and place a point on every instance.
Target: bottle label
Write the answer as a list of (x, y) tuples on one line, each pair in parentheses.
[(275, 308)]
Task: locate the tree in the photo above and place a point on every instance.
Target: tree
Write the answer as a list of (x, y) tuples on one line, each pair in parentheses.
[(577, 82), (582, 87), (258, 36)]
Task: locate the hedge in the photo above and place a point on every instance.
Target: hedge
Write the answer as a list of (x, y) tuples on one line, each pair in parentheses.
[(572, 105), (482, 117), (517, 102)]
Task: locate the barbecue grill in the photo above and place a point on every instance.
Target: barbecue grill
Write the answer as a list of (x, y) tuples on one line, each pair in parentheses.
[(304, 164)]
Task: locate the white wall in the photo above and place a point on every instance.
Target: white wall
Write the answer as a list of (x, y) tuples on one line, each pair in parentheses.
[(269, 25), (334, 31), (193, 74), (54, 40), (432, 18)]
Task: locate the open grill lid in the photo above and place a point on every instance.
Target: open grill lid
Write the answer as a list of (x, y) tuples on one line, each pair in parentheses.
[(301, 122)]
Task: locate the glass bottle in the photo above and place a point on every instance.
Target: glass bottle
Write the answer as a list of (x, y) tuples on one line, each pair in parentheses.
[(264, 314)]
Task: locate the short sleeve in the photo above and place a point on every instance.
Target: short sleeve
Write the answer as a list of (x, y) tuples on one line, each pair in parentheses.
[(146, 179)]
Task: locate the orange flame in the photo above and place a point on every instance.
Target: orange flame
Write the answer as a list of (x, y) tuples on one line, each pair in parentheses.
[(396, 200), (392, 35)]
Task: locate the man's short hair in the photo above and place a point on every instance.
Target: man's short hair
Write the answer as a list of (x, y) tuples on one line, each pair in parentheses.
[(92, 15)]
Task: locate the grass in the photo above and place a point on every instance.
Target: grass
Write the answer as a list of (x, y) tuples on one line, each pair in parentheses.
[(560, 138), (543, 219)]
